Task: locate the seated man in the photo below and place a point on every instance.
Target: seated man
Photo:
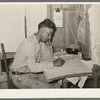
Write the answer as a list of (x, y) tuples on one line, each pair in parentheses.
[(27, 68)]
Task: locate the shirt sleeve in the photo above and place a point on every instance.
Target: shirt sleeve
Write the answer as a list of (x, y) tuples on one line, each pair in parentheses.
[(30, 59)]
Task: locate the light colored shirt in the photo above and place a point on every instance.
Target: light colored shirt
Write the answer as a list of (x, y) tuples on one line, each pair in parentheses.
[(26, 55)]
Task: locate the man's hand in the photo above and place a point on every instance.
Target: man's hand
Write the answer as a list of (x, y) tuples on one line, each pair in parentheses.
[(58, 62)]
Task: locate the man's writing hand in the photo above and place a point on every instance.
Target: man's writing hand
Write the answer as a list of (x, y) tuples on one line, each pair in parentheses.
[(58, 62)]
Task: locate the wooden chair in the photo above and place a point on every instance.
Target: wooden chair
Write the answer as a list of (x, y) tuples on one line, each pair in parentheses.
[(9, 81)]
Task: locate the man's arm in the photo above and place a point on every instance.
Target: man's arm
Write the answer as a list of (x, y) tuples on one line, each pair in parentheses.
[(30, 59)]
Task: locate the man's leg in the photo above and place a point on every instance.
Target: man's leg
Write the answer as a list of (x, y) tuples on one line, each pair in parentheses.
[(31, 81)]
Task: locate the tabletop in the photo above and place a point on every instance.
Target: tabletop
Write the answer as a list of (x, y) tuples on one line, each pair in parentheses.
[(71, 68)]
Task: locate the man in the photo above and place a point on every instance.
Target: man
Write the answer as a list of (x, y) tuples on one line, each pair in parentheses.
[(27, 68)]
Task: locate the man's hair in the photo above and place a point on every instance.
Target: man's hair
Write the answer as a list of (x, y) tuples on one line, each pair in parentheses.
[(47, 23)]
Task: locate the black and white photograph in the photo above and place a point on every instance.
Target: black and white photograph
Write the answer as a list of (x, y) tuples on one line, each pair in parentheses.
[(49, 46)]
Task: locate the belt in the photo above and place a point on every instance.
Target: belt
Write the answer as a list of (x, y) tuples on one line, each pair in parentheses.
[(19, 73)]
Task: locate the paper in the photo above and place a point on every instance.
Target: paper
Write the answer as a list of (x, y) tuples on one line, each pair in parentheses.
[(58, 18)]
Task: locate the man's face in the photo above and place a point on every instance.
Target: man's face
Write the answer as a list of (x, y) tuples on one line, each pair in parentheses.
[(46, 34)]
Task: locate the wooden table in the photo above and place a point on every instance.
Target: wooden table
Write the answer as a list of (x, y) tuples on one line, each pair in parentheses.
[(62, 73), (68, 70), (71, 69)]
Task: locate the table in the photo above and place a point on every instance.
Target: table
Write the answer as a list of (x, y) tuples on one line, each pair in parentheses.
[(68, 70), (71, 68)]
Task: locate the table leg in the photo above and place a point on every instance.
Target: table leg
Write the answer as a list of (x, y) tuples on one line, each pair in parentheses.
[(65, 83)]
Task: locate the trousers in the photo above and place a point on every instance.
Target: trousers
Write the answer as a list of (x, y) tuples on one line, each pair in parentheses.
[(33, 81)]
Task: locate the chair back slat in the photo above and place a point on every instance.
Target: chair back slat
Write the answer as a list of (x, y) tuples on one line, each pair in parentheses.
[(4, 57)]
